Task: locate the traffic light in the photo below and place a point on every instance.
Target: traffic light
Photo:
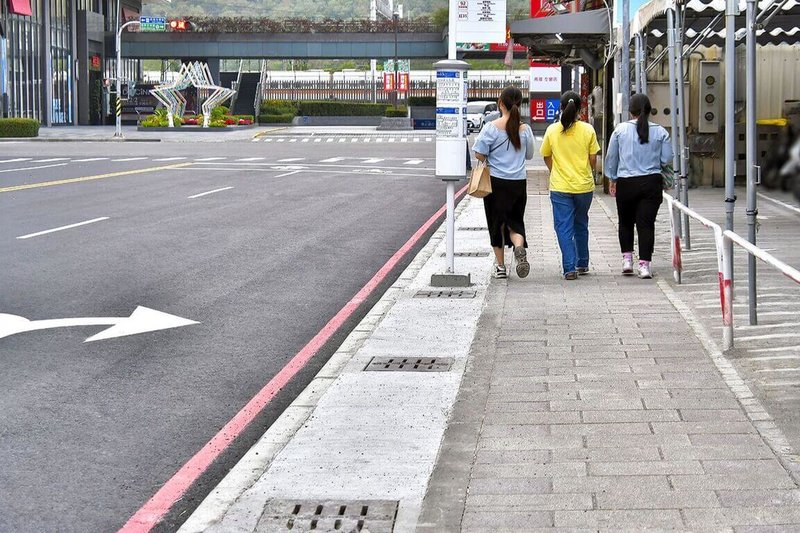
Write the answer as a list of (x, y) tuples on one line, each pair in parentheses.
[(180, 25), (708, 117)]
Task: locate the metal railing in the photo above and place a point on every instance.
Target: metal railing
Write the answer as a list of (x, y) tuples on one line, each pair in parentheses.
[(723, 241)]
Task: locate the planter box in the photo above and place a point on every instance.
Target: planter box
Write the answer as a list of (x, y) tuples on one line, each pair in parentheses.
[(423, 112), (196, 129), (336, 121), (395, 124)]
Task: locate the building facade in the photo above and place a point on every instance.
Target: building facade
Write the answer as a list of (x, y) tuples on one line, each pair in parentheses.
[(55, 55)]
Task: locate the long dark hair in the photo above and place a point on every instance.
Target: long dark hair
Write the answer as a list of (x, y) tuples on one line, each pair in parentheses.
[(570, 105), (640, 108), (511, 99)]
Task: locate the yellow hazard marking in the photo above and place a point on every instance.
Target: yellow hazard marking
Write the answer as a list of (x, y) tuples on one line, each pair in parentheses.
[(267, 132), (91, 178)]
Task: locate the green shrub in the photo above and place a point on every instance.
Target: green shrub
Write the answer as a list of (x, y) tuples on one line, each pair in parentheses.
[(278, 107), (219, 112), (422, 101), (335, 108), (285, 118), (400, 112), (19, 127), (219, 123), (154, 121)]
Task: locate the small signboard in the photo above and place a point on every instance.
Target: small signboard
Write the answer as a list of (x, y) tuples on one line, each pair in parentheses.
[(545, 79), (538, 112), (551, 109), (403, 81), (152, 24), (388, 82), (481, 21), (451, 97)]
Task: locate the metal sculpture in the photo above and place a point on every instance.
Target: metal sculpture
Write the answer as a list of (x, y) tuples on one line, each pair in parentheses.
[(196, 75)]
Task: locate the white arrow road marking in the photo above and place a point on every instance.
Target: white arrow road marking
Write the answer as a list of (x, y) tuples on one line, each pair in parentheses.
[(17, 160), (62, 228), (332, 160), (252, 159), (142, 320), (210, 192), (290, 159)]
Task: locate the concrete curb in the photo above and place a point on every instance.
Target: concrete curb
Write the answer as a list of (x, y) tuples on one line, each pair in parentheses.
[(247, 472), (76, 140)]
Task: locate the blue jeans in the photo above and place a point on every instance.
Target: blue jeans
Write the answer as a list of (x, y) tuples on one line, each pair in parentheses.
[(571, 220)]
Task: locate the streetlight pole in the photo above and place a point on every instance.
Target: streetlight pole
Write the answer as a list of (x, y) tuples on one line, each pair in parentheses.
[(118, 132), (395, 19)]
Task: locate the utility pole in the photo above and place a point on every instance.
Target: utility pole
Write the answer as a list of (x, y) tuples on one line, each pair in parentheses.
[(395, 19), (118, 132)]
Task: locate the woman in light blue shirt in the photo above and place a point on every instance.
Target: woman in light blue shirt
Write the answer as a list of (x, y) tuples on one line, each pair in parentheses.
[(505, 144), (636, 154)]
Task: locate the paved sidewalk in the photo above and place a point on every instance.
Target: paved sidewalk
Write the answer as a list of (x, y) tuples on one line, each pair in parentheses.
[(593, 405)]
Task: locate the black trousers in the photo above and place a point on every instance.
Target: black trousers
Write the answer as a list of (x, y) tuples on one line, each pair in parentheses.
[(638, 200)]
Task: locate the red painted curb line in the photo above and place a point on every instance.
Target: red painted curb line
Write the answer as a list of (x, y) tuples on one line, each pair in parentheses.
[(173, 490)]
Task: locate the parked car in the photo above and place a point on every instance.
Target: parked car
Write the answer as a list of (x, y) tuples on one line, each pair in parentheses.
[(479, 113)]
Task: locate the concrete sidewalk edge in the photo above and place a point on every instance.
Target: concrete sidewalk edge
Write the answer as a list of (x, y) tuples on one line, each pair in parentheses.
[(258, 459)]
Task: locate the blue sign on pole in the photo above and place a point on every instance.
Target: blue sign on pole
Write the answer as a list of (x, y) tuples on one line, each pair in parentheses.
[(551, 109)]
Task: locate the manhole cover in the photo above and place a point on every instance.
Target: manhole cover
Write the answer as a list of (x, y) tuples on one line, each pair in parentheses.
[(447, 293), (346, 516), (469, 254), (473, 228), (410, 364)]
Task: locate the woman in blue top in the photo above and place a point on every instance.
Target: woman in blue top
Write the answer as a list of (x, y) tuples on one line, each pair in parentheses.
[(505, 144), (636, 153)]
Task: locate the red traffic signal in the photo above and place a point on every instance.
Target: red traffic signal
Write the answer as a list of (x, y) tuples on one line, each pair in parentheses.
[(180, 25)]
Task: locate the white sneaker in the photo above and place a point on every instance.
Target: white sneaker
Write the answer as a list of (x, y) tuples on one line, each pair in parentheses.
[(627, 266), (500, 272), (644, 271)]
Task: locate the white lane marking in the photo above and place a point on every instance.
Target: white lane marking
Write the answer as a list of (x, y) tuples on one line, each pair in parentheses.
[(332, 160), (416, 139), (210, 192), (211, 159), (775, 349), (17, 160), (342, 140), (170, 159), (404, 140), (414, 162), (780, 203), (267, 140), (62, 228), (33, 168), (765, 370), (251, 159), (378, 140), (52, 159), (292, 140), (306, 140), (770, 336), (289, 159), (90, 159), (317, 140), (127, 159), (772, 358), (281, 140), (329, 140), (288, 174), (367, 140), (428, 139), (766, 326), (373, 161)]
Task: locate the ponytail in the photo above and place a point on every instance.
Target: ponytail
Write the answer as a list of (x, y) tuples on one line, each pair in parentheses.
[(511, 98), (640, 108), (570, 104)]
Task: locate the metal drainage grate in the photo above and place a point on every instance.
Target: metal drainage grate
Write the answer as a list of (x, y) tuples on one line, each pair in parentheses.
[(473, 228), (469, 254), (376, 516), (410, 364), (447, 293)]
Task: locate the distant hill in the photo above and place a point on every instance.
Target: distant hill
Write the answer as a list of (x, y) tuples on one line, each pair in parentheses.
[(317, 9)]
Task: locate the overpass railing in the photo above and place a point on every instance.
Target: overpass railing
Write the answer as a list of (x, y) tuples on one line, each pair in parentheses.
[(206, 24)]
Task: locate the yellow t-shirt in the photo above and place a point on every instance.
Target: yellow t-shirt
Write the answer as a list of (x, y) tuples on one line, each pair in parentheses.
[(570, 151)]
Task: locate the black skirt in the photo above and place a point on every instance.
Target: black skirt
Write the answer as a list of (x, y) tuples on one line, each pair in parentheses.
[(505, 210)]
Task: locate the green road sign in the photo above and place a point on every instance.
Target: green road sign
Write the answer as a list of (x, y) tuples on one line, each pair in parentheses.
[(152, 24)]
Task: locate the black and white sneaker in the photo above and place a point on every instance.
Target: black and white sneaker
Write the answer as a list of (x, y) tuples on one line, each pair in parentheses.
[(521, 257), (500, 272)]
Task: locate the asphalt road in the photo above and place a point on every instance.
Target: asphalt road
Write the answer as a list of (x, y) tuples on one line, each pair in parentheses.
[(260, 243)]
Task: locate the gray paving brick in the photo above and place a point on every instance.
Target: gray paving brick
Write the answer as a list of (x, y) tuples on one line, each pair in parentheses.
[(731, 482), (508, 486), (558, 417), (757, 467), (726, 439), (644, 468), (630, 416), (766, 529), (693, 403), (664, 519), (514, 431), (637, 441), (758, 498), (704, 427), (517, 407), (673, 383), (727, 451), (484, 456), (497, 521), (510, 396), (601, 429), (607, 454), (600, 405), (535, 443), (669, 499), (611, 484), (755, 516), (677, 353), (692, 415), (530, 502), (530, 470)]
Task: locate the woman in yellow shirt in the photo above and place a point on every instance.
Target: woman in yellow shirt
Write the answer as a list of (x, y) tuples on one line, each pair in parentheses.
[(570, 152)]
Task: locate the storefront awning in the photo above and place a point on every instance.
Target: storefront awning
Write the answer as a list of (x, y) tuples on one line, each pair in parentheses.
[(129, 14), (20, 7), (572, 37)]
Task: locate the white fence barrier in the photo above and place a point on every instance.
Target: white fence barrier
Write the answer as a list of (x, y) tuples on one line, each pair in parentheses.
[(724, 261)]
